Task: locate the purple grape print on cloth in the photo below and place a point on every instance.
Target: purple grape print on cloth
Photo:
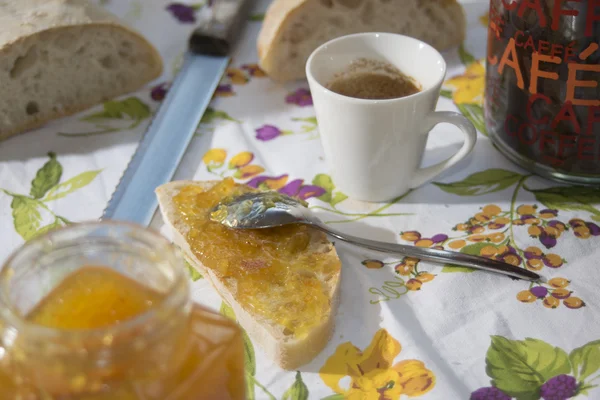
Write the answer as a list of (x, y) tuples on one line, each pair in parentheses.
[(489, 393), (295, 188), (224, 91), (182, 12), (301, 97), (560, 387), (539, 291), (267, 132), (159, 92)]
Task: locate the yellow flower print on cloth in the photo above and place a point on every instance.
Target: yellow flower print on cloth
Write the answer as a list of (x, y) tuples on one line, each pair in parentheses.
[(215, 160), (484, 19), (241, 160), (373, 374), (468, 88), (236, 77)]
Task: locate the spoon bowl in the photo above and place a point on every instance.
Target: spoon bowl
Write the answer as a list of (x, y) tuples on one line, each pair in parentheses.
[(260, 210)]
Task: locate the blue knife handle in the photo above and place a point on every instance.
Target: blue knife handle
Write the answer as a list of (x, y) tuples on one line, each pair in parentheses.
[(218, 34)]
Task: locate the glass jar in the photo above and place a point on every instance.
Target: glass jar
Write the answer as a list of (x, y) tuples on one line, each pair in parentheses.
[(542, 98), (175, 350)]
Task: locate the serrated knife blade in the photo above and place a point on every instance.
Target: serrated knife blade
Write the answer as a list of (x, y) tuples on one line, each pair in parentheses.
[(161, 149)]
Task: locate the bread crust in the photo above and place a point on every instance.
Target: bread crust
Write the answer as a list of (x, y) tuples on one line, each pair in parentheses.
[(285, 351), (282, 15), (26, 20)]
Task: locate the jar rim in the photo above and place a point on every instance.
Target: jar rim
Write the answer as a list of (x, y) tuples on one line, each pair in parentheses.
[(172, 299)]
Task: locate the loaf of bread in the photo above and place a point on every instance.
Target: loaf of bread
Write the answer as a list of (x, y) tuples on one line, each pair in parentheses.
[(293, 29), (286, 350), (58, 57)]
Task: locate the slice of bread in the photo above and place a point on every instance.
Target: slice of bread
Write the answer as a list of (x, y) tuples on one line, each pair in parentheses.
[(284, 349), (58, 57), (293, 29)]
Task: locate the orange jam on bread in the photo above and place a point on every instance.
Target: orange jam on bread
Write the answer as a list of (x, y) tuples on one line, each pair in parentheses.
[(278, 274)]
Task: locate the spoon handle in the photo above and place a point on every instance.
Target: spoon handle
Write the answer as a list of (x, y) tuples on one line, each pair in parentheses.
[(435, 255)]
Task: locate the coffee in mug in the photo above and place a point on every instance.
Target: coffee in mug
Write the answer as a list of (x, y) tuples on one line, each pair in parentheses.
[(372, 79), (373, 125)]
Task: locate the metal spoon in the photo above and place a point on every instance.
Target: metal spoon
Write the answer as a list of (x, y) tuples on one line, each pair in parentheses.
[(270, 209)]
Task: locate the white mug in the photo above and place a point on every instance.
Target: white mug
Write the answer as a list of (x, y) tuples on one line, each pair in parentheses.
[(374, 148)]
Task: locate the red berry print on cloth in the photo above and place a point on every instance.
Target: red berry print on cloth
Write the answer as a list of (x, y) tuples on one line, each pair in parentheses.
[(552, 294), (583, 229), (373, 264), (490, 233), (407, 270)]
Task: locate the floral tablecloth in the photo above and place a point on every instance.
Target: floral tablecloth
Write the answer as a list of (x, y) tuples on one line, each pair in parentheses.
[(405, 327)]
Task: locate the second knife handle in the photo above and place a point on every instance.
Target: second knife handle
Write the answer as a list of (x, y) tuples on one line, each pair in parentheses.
[(217, 35)]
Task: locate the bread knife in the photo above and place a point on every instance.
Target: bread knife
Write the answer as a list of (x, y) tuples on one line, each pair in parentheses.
[(163, 145)]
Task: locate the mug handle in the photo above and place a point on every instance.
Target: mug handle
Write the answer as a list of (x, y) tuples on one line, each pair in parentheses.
[(424, 175)]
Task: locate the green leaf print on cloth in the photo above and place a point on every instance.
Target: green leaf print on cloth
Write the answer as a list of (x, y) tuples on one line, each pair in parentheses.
[(211, 115), (570, 198), (567, 198), (46, 177), (31, 215), (256, 17), (77, 182), (586, 360), (249, 359), (131, 107), (465, 57), (110, 119), (298, 390), (211, 119), (310, 125), (586, 363), (488, 181), (446, 93), (26, 216), (333, 198), (531, 369), (194, 274), (324, 181), (474, 113), (519, 368), (471, 249)]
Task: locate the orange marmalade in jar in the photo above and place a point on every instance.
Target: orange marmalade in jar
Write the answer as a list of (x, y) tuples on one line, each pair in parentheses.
[(102, 311)]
